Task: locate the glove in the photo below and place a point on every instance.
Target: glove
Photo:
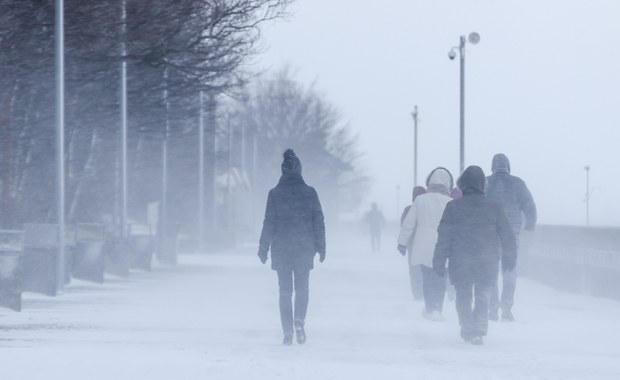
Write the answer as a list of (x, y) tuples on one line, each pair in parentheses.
[(262, 255), (321, 256), (508, 264), (440, 271), (402, 249)]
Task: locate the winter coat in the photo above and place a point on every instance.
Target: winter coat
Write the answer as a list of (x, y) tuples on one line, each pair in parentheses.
[(417, 191), (473, 232), (423, 218), (512, 193), (293, 227)]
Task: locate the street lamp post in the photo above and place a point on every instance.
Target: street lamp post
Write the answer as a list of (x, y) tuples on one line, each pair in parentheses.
[(587, 169), (414, 114), (473, 38), (60, 137)]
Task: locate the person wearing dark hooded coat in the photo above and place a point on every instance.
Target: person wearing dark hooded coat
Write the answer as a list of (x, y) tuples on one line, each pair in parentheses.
[(512, 193), (472, 234), (294, 230)]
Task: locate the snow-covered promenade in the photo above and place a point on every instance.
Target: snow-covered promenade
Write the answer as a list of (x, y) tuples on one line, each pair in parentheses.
[(215, 317)]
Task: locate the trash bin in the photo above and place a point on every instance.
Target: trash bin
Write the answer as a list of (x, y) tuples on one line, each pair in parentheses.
[(141, 246), (11, 249), (88, 257), (116, 256), (168, 245), (40, 258)]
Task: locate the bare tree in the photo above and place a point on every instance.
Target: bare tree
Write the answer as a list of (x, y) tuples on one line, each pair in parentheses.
[(283, 113)]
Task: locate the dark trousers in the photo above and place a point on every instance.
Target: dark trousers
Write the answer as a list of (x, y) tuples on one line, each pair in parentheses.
[(434, 289), (509, 285), (472, 306), (301, 281), (415, 281), (375, 241)]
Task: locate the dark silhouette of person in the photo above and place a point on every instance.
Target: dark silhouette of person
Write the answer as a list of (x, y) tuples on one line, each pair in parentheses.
[(511, 192), (375, 220), (294, 230), (473, 234)]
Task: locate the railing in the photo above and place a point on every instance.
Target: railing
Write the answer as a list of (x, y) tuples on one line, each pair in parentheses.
[(578, 259)]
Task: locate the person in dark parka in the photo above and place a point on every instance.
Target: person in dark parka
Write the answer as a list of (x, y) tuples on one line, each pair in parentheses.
[(295, 231), (512, 193), (472, 234)]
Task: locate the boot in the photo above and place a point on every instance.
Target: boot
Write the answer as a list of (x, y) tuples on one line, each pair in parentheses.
[(288, 339), (507, 316), (300, 333), (476, 341)]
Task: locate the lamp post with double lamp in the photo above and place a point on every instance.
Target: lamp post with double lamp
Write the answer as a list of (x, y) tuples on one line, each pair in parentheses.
[(473, 39)]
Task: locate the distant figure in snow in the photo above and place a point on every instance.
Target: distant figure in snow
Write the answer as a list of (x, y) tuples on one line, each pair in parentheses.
[(472, 235), (421, 223), (295, 231), (415, 272), (375, 220), (512, 193)]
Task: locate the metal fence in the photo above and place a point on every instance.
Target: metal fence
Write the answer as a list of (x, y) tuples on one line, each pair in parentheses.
[(578, 259)]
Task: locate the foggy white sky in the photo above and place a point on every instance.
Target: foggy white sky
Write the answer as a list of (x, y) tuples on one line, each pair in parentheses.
[(542, 86)]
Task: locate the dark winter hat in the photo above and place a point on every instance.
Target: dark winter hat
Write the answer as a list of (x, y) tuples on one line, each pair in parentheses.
[(291, 163), (418, 190), (500, 164), (472, 180)]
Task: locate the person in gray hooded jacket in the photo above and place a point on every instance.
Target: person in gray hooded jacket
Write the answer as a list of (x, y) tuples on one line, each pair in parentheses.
[(512, 193), (472, 234)]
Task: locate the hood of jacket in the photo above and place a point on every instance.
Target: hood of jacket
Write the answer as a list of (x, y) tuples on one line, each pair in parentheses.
[(440, 181), (500, 164), (288, 179), (472, 181)]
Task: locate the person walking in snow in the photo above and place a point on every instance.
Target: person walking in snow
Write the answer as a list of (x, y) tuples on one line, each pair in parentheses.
[(415, 272), (512, 193), (421, 222), (375, 220), (472, 234), (294, 230)]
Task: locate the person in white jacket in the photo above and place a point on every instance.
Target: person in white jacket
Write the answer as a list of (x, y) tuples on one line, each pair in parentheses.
[(421, 222)]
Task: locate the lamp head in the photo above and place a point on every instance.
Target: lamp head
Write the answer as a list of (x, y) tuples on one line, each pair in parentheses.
[(473, 38)]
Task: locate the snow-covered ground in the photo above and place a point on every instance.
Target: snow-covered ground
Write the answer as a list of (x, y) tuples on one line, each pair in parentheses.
[(215, 317)]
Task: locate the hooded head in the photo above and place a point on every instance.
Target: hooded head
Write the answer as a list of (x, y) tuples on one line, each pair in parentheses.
[(291, 163), (500, 164), (440, 180), (418, 190), (472, 180)]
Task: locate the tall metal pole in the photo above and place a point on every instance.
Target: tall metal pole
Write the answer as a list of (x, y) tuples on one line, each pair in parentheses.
[(123, 99), (587, 168), (414, 114), (462, 124), (164, 173), (254, 180), (201, 176), (60, 137)]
